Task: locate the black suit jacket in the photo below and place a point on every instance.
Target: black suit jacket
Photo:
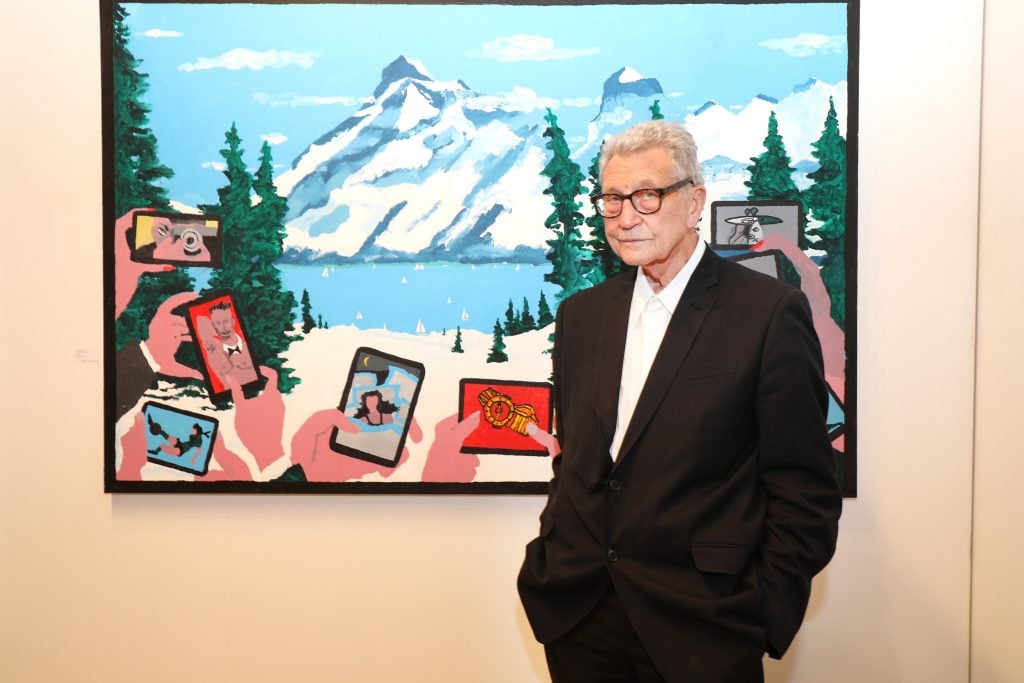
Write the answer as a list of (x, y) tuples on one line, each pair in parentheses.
[(723, 503)]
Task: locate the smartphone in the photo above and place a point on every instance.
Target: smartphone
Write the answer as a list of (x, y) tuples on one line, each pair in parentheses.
[(224, 346), (181, 239), (178, 438), (380, 397), (506, 408)]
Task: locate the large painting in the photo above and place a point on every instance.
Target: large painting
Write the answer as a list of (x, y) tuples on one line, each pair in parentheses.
[(337, 235)]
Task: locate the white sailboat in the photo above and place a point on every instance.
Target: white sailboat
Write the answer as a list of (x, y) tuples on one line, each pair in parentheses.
[(418, 266), (326, 273), (359, 315), (465, 315), (420, 327), (449, 299), (404, 281)]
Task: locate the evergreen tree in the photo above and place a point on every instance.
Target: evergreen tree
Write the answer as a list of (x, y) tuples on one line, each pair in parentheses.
[(497, 354), (457, 346), (544, 317), (566, 184), (137, 170), (307, 316), (826, 202), (526, 321), (771, 176), (604, 263), (511, 320), (137, 174), (252, 239), (656, 114), (320, 322)]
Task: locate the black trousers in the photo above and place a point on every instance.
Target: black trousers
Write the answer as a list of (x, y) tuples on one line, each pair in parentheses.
[(604, 648)]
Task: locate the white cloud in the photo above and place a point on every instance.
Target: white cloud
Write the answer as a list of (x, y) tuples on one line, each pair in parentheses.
[(242, 58), (674, 93), (579, 102), (160, 33), (806, 44), (291, 99), (215, 165), (274, 138), (522, 47)]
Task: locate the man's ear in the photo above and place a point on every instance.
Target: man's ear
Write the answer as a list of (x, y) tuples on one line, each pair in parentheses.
[(698, 196)]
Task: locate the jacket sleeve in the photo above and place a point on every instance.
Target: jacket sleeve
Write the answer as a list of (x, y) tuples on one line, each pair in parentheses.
[(797, 469), (133, 376)]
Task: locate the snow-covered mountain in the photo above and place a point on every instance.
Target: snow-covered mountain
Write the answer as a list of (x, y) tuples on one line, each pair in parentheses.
[(431, 170), (626, 99), (740, 135), (428, 170)]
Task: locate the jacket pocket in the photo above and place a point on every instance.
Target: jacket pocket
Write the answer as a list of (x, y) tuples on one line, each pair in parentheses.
[(705, 371), (722, 558)]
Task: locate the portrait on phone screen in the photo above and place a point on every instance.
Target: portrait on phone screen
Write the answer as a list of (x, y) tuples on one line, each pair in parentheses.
[(379, 399), (223, 345)]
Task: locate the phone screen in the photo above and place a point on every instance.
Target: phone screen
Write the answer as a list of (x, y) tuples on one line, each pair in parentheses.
[(379, 399)]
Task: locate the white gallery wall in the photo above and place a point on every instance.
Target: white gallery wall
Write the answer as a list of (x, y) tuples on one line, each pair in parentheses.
[(95, 587)]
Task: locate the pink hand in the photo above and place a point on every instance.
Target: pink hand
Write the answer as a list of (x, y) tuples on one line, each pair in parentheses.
[(445, 463), (545, 439), (312, 450), (126, 271), (166, 333), (259, 421)]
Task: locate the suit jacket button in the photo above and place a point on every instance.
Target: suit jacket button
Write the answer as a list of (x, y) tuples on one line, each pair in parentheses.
[(612, 555), (614, 485)]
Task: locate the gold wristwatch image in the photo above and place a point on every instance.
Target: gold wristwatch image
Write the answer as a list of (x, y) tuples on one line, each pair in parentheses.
[(500, 411)]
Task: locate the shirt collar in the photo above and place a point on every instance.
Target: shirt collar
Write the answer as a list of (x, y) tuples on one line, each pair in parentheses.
[(673, 291)]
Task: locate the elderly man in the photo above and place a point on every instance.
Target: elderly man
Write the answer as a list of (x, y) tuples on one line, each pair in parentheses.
[(695, 495)]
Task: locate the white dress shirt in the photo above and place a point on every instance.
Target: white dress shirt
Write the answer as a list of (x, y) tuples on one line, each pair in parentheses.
[(649, 315)]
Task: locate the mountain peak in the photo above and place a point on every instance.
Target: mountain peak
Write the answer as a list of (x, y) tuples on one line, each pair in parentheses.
[(402, 67), (627, 81)]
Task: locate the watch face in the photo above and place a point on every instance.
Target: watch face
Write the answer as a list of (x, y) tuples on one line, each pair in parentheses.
[(500, 411)]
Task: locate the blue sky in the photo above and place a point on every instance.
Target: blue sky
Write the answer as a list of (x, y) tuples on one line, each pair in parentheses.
[(290, 73)]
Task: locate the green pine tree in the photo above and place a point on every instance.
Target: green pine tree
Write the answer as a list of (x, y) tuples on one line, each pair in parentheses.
[(320, 322), (544, 317), (826, 202), (252, 242), (567, 252), (511, 320), (771, 176), (604, 263), (656, 114), (137, 169), (457, 346), (307, 313), (497, 354), (526, 321), (137, 176)]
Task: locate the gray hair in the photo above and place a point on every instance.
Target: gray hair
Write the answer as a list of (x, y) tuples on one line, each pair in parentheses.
[(667, 135)]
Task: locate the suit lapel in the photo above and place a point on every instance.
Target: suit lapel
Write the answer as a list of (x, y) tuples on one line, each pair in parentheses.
[(695, 304), (611, 345)]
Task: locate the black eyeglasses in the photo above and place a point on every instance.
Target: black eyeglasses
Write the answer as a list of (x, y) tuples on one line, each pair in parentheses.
[(645, 200)]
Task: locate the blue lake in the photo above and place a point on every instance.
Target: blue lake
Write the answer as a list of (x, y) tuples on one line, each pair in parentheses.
[(399, 295)]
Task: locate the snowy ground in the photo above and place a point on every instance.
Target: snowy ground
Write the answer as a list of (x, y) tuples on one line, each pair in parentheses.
[(322, 359)]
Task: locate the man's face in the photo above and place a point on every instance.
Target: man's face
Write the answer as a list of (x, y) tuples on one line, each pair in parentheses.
[(662, 241), (223, 322)]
